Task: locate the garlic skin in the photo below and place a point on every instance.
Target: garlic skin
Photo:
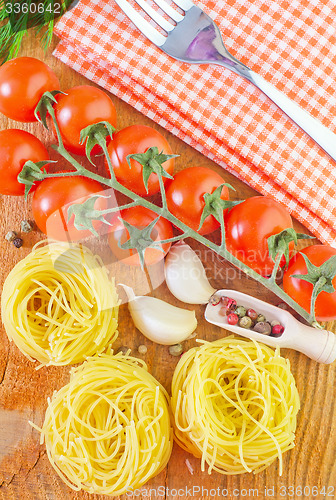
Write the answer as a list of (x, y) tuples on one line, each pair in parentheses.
[(185, 275), (159, 321)]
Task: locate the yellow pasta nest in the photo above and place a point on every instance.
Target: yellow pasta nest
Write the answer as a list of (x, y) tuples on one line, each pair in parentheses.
[(235, 404), (108, 431), (59, 306)]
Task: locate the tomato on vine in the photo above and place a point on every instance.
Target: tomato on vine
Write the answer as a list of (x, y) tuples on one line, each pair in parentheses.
[(17, 147), (80, 107), (22, 82), (185, 196), (138, 140), (140, 217), (52, 199), (249, 225), (301, 290)]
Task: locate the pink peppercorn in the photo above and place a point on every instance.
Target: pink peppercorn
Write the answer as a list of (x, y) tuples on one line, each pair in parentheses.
[(222, 311), (232, 319), (277, 330), (252, 314), (229, 304)]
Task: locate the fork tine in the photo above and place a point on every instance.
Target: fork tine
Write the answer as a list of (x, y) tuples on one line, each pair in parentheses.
[(172, 13), (184, 4), (144, 26), (160, 21)]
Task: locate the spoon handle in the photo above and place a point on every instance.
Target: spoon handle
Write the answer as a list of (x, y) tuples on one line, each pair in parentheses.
[(319, 345)]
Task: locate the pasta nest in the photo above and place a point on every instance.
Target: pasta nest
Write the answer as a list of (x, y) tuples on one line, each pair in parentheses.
[(59, 306), (235, 404), (109, 430)]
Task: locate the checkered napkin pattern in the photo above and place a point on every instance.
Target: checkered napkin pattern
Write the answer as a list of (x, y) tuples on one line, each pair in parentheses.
[(291, 43)]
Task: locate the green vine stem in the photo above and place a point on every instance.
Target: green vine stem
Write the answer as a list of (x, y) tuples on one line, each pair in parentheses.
[(97, 134)]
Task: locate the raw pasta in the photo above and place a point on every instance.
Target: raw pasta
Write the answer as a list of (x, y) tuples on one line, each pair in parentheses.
[(59, 306), (235, 404), (109, 430)]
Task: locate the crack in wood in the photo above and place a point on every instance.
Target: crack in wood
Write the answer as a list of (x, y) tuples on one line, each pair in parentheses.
[(7, 483), (166, 481), (6, 365), (40, 455)]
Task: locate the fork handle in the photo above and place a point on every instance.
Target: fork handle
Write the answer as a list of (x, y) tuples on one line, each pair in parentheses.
[(321, 134)]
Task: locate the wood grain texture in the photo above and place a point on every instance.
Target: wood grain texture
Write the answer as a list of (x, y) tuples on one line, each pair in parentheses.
[(25, 472)]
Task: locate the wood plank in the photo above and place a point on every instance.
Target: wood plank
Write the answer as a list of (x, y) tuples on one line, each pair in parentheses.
[(25, 472)]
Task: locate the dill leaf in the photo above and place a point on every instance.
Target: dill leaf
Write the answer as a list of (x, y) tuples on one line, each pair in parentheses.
[(19, 16)]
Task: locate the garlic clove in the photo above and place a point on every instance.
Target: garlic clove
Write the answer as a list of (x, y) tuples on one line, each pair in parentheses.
[(159, 321), (185, 275)]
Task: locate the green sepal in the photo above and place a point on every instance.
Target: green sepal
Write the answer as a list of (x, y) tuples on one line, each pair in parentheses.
[(32, 172), (151, 162), (278, 244), (95, 134), (215, 206), (320, 277), (43, 106), (140, 239), (85, 214), (326, 272)]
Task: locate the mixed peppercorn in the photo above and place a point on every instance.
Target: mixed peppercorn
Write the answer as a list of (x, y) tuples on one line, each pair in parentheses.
[(246, 317), (13, 236)]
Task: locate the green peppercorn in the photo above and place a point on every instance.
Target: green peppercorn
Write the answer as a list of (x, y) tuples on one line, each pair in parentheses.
[(245, 322), (240, 311), (214, 299), (26, 226), (176, 350), (11, 236), (261, 318)]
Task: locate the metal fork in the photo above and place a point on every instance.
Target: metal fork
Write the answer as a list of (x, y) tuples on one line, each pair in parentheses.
[(193, 37)]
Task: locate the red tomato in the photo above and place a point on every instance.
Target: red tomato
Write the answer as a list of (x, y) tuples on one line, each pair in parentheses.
[(134, 140), (247, 227), (80, 107), (185, 196), (22, 83), (301, 291), (139, 217), (50, 204), (17, 147)]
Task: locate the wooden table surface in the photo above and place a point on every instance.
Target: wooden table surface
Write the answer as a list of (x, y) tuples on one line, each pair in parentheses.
[(25, 472)]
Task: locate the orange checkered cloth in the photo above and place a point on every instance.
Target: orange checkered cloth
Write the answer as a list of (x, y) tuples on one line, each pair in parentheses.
[(291, 43)]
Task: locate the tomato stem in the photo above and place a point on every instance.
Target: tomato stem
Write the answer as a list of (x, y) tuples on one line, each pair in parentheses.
[(222, 226), (102, 143), (163, 211), (276, 267), (163, 193), (188, 232)]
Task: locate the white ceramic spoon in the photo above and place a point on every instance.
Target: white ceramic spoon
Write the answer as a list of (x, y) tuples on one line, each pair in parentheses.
[(319, 345)]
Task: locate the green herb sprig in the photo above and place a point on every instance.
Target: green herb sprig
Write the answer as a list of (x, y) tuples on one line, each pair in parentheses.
[(18, 16)]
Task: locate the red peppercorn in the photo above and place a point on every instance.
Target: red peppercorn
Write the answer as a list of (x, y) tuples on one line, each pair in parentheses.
[(277, 330), (229, 304), (251, 313), (232, 318)]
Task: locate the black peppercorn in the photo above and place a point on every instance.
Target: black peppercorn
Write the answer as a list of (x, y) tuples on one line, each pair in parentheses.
[(18, 242)]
